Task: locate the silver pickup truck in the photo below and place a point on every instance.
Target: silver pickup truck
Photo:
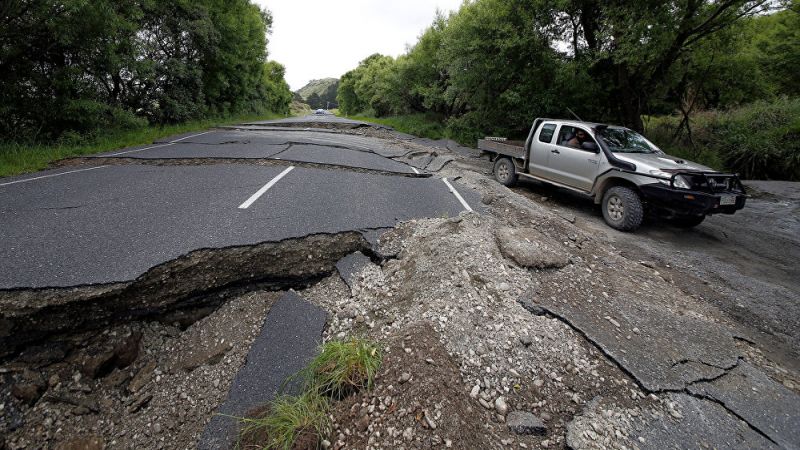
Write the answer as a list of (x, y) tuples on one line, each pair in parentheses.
[(627, 175)]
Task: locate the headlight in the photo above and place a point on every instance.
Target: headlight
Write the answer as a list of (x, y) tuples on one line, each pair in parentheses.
[(680, 181)]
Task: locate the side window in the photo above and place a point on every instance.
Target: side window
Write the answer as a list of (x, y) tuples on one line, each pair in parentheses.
[(570, 136), (546, 135)]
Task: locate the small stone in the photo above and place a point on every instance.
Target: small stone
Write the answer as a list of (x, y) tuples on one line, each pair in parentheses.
[(404, 377), (504, 287), (429, 420), (429, 361), (475, 391), (408, 434), (538, 382), (362, 424), (142, 377), (500, 406), (326, 444), (27, 392), (526, 340), (157, 428), (202, 357), (522, 422)]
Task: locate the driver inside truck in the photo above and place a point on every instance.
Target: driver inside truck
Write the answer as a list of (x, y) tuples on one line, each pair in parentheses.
[(579, 138)]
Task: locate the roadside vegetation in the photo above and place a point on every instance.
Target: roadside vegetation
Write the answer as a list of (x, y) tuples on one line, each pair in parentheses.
[(423, 125), (700, 70), (342, 368), (758, 140), (80, 77), (22, 157)]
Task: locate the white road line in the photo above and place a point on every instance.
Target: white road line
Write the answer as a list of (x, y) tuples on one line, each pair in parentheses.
[(264, 189), (162, 145), (50, 176), (458, 196), (415, 170)]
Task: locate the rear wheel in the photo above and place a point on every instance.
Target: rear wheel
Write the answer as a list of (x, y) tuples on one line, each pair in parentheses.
[(687, 221), (505, 172), (622, 208)]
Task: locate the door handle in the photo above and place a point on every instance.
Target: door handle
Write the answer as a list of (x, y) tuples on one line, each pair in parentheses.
[(555, 150)]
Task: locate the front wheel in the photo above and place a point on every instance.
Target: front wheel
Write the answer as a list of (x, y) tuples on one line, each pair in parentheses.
[(505, 172), (687, 221), (622, 208)]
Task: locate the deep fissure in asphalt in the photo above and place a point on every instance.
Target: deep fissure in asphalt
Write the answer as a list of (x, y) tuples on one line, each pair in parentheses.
[(198, 281)]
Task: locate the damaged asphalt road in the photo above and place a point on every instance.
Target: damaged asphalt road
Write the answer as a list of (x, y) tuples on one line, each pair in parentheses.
[(154, 278), (113, 224), (87, 234)]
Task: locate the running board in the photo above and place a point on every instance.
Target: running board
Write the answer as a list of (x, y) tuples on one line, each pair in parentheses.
[(554, 183)]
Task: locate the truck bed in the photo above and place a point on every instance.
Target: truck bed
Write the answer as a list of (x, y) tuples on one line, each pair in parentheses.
[(515, 149)]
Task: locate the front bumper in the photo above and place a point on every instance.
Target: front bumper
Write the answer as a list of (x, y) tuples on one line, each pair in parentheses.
[(690, 202)]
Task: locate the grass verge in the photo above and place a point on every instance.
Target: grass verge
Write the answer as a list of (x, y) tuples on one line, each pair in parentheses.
[(421, 125), (17, 158), (341, 368)]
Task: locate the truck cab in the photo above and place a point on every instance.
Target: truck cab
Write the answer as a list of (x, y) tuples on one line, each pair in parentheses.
[(623, 172)]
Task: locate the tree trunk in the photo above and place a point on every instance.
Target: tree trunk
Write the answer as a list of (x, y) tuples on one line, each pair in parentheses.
[(630, 103)]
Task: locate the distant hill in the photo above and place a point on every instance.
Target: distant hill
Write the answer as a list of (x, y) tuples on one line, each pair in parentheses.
[(318, 93)]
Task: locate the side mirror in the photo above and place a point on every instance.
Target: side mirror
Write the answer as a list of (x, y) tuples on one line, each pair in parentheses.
[(590, 146)]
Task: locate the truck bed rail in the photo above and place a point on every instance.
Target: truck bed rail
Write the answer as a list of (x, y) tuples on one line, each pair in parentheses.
[(514, 149)]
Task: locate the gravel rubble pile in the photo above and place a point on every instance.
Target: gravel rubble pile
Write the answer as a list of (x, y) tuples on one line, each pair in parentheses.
[(161, 399)]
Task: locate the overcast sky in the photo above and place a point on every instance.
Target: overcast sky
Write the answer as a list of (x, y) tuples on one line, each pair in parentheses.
[(326, 38)]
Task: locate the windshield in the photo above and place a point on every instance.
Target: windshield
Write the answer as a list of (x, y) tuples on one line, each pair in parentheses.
[(621, 140)]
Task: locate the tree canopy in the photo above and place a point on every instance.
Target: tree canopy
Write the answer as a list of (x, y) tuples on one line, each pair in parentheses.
[(493, 65), (76, 65)]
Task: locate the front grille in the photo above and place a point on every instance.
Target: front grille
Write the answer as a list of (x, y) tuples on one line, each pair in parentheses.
[(714, 183)]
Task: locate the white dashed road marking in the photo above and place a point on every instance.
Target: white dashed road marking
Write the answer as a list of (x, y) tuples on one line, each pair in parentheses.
[(162, 145), (50, 176), (458, 196), (264, 189)]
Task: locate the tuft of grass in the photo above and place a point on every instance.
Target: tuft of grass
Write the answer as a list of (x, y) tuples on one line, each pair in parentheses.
[(343, 368), (289, 419), (22, 157)]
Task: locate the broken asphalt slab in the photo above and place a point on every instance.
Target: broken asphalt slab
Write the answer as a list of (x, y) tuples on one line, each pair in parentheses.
[(289, 339), (666, 351), (351, 265), (682, 421), (766, 405)]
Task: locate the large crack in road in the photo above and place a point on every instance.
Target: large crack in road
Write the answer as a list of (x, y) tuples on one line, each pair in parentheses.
[(188, 282)]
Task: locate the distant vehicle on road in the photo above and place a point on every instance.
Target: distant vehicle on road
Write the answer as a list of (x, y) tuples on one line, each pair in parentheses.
[(320, 112), (620, 169)]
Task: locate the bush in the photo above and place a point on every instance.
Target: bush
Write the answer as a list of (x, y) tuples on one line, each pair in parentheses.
[(759, 141)]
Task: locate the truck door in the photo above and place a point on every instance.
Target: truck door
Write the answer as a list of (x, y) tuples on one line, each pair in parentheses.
[(569, 163), (541, 145)]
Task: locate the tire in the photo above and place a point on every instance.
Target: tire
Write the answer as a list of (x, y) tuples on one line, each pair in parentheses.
[(687, 221), (505, 172), (622, 208)]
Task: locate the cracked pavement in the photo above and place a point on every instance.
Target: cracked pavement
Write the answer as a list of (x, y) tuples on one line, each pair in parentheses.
[(613, 341)]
